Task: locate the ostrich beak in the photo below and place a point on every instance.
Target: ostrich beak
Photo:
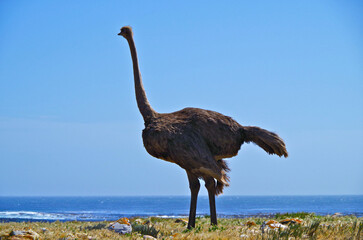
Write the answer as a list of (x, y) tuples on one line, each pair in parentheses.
[(119, 34)]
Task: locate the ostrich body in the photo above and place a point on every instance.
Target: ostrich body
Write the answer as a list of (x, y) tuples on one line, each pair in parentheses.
[(197, 140)]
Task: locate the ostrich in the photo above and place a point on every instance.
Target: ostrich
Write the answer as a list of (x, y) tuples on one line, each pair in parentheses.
[(197, 140)]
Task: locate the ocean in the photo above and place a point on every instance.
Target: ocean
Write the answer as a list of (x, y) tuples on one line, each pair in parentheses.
[(112, 208)]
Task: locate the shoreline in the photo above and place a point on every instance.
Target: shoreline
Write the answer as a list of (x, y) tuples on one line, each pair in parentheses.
[(220, 216)]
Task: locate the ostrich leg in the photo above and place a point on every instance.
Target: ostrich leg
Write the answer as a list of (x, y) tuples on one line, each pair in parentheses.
[(194, 186), (210, 184)]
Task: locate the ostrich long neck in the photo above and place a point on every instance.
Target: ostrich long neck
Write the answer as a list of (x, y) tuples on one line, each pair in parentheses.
[(143, 104)]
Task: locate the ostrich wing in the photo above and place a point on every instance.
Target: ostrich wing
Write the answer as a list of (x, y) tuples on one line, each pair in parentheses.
[(193, 154)]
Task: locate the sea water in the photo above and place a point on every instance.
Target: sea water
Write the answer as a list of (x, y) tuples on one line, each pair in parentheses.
[(112, 208)]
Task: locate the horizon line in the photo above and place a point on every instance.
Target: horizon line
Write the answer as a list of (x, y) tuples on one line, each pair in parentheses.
[(280, 195)]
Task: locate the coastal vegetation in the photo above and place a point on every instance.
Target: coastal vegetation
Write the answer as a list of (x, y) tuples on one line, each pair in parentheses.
[(299, 226)]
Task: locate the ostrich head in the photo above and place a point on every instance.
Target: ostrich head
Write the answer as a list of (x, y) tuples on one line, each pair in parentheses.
[(126, 32)]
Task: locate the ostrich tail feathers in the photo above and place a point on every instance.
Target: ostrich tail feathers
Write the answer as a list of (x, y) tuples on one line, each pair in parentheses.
[(268, 141), (224, 182)]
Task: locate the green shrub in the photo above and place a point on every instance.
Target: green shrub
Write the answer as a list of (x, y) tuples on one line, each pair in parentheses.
[(145, 230)]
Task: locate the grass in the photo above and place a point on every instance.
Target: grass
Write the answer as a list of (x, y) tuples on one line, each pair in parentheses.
[(313, 227)]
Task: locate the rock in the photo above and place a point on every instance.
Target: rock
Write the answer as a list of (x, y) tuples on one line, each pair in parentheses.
[(181, 221), (138, 221), (148, 237), (272, 224), (250, 223), (337, 215), (19, 234), (289, 221), (121, 226)]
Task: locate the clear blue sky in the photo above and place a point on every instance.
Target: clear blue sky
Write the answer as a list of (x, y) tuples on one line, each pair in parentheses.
[(69, 124)]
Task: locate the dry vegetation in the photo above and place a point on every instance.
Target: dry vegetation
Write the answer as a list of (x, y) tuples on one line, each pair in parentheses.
[(312, 227)]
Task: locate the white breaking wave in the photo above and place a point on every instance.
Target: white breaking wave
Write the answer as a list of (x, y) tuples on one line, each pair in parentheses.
[(84, 215), (34, 215), (171, 216)]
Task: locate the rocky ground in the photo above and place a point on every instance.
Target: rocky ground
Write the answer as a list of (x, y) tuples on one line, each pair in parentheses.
[(282, 226)]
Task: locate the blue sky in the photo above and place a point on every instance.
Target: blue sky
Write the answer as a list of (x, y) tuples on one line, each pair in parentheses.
[(69, 124)]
